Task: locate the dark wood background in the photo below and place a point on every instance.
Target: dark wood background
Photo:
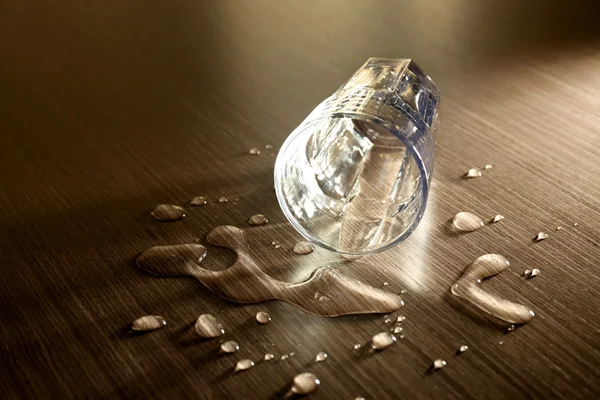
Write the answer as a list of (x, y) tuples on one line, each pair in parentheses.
[(110, 107)]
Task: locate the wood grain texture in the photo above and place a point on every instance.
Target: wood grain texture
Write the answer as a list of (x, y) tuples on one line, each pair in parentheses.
[(109, 108)]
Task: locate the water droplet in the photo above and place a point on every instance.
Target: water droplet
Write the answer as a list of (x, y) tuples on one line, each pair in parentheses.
[(258, 219), (488, 166), (558, 228), (168, 212), (439, 364), (262, 317), (322, 356), (268, 146), (527, 272), (501, 343), (534, 272), (243, 365), (473, 173), (360, 397), (384, 284), (223, 199), (541, 236), (498, 218), (284, 357), (303, 248), (403, 291), (305, 383), (275, 244), (397, 329), (229, 346), (467, 222), (199, 201), (357, 346), (148, 323), (387, 320), (463, 348), (510, 328), (254, 151), (382, 341), (401, 318), (575, 224), (292, 354), (207, 326), (468, 288), (269, 357)]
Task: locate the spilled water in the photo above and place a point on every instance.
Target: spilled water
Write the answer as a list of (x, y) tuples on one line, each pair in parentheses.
[(468, 287), (246, 282)]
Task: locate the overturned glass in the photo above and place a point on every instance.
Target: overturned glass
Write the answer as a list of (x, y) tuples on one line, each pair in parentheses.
[(355, 175)]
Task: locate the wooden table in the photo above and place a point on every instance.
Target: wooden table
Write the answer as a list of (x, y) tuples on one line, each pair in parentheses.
[(109, 108)]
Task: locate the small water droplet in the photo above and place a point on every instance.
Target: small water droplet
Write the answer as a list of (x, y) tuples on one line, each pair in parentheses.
[(305, 383), (534, 272), (439, 364), (558, 228), (168, 212), (488, 166), (498, 218), (500, 343), (527, 272), (263, 318), (269, 357), (292, 354), (473, 173), (268, 146), (229, 346), (510, 328), (467, 222), (303, 247), (254, 151), (258, 219), (387, 320), (322, 356), (382, 341), (243, 365), (401, 318), (397, 329), (357, 346), (223, 199), (384, 284), (284, 357), (463, 348), (575, 224), (275, 244), (148, 323), (403, 291), (207, 326), (199, 201), (360, 397), (541, 236)]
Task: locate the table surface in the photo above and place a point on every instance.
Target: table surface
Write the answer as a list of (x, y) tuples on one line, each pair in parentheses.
[(109, 108)]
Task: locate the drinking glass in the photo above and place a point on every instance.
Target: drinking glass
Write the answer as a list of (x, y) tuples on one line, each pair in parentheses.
[(354, 176)]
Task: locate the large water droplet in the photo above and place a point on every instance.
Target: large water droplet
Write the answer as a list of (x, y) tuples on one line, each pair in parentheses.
[(305, 383), (199, 201), (541, 236), (243, 365), (322, 356), (262, 317), (303, 248), (468, 287), (168, 212), (467, 222), (207, 326), (229, 346), (382, 341), (258, 219), (148, 323), (473, 173)]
